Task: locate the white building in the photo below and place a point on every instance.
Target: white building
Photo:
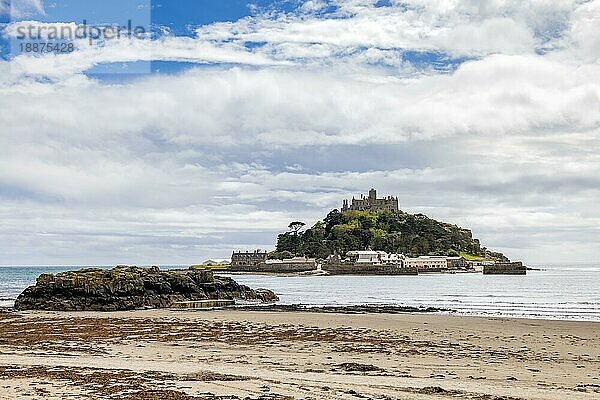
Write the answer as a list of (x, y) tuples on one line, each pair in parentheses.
[(374, 257), (367, 256), (422, 263), (392, 258), (425, 263)]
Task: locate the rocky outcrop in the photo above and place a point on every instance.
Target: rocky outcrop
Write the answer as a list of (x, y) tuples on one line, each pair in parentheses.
[(128, 288)]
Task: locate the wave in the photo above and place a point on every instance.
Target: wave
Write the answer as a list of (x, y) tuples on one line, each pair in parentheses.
[(574, 268)]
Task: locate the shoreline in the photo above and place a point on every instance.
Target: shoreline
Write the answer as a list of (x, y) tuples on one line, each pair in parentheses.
[(327, 273), (395, 309), (282, 355), (358, 309)]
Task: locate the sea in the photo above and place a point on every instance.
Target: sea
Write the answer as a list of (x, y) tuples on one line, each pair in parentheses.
[(565, 292)]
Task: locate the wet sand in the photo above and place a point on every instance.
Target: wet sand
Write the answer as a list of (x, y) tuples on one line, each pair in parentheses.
[(229, 354)]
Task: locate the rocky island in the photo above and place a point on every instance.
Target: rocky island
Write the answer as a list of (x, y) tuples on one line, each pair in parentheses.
[(128, 288), (373, 236)]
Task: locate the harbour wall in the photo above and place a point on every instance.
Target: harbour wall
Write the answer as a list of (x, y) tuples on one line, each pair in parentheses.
[(505, 268), (368, 269), (275, 268)]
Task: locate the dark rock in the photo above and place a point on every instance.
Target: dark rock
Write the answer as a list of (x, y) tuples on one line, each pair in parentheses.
[(356, 367), (128, 288), (433, 390)]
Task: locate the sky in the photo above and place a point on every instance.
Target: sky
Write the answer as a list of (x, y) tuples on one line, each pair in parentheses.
[(232, 118)]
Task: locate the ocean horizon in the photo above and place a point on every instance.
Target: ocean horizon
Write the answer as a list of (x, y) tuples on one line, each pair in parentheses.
[(561, 292)]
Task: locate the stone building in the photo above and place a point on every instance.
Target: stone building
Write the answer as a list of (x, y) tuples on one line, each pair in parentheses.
[(367, 256), (371, 203), (241, 259), (427, 263), (457, 262)]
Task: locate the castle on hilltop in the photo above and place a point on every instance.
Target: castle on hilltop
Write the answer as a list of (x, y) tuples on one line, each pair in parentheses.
[(371, 203)]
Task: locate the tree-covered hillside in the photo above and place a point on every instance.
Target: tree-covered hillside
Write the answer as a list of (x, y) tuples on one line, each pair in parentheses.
[(412, 235)]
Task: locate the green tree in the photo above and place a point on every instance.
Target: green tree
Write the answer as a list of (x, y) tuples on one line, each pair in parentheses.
[(289, 242), (296, 226), (379, 239), (382, 230), (332, 219)]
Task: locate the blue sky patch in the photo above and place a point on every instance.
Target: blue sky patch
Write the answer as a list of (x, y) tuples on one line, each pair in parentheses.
[(180, 18), (437, 60)]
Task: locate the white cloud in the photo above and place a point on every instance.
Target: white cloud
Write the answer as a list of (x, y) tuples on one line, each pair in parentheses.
[(471, 28), (288, 107), (311, 6), (22, 8), (584, 32), (359, 34)]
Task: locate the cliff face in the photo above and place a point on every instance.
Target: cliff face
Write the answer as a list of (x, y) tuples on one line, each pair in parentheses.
[(127, 288)]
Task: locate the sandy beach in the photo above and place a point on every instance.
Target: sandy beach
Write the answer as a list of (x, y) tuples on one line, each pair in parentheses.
[(231, 354)]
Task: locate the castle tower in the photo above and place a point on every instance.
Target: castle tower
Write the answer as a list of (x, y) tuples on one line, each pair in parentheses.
[(372, 195), (345, 206)]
